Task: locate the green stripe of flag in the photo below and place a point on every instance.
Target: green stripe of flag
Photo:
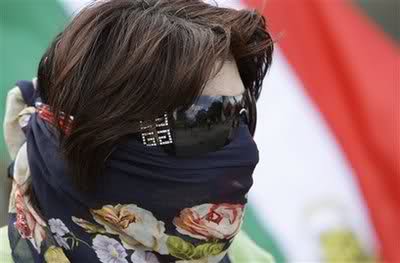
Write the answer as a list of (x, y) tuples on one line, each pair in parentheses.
[(260, 234), (26, 28)]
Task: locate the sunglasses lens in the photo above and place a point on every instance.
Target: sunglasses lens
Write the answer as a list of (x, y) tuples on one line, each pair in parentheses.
[(207, 126)]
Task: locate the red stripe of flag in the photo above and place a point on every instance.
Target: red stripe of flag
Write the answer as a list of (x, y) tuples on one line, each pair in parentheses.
[(350, 69)]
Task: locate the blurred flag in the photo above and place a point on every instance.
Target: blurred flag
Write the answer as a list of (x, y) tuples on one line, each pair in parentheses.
[(327, 188), (328, 185)]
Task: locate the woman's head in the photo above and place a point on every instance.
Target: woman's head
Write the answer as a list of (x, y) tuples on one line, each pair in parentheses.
[(122, 61)]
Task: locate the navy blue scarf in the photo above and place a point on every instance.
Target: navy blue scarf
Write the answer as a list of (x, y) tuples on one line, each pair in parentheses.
[(148, 207)]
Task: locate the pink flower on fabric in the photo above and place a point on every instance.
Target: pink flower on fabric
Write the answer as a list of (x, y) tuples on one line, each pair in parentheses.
[(210, 221), (29, 224)]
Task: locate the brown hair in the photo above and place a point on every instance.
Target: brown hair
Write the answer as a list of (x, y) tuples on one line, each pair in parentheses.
[(122, 61)]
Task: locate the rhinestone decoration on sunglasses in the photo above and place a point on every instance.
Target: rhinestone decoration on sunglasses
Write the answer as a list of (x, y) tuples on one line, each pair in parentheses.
[(158, 133)]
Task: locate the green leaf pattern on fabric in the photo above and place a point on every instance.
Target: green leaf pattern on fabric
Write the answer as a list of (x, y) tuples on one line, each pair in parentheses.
[(182, 249)]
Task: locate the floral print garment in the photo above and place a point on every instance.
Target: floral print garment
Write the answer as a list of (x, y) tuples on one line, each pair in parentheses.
[(125, 230), (149, 206)]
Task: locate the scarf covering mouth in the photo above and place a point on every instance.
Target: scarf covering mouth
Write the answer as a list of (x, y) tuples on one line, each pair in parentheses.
[(148, 207)]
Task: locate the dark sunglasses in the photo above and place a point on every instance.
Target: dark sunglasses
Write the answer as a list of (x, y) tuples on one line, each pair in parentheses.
[(206, 126)]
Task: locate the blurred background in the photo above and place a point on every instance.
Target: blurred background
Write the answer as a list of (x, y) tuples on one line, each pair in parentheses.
[(327, 188)]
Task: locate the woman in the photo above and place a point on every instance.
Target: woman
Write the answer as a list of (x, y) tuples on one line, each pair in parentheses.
[(136, 141)]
